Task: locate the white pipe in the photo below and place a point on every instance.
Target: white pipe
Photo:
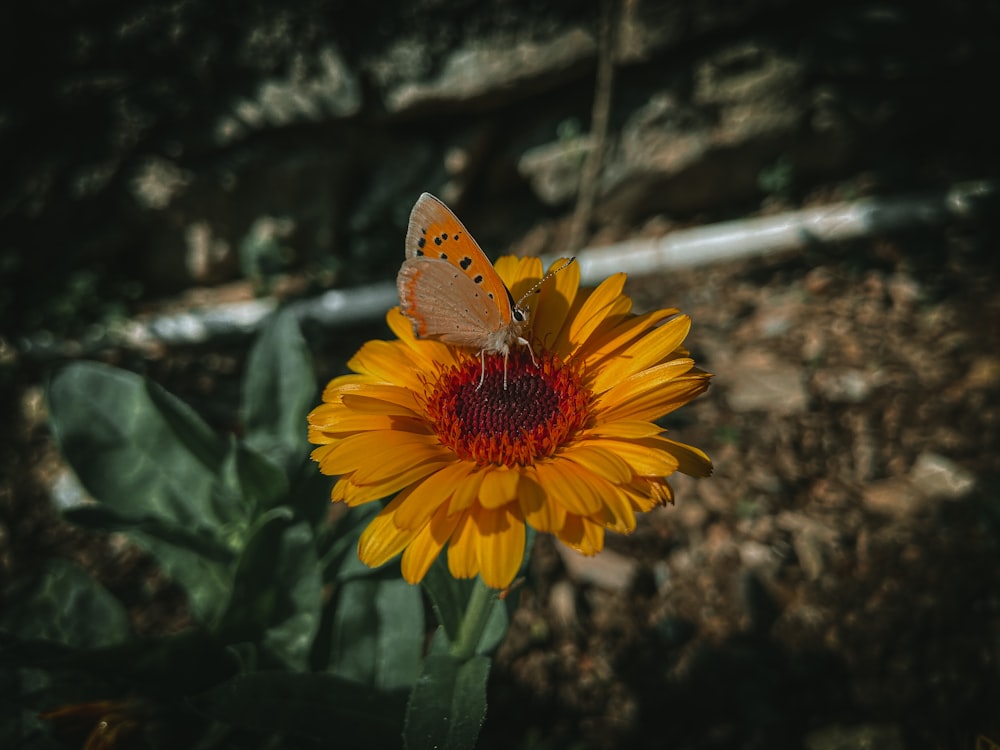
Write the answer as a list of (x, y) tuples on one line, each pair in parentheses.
[(679, 249)]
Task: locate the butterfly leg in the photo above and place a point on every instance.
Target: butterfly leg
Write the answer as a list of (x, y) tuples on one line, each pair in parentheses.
[(482, 370), (531, 353)]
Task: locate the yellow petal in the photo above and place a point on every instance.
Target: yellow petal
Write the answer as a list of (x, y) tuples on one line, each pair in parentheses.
[(349, 423), (426, 353), (466, 490), (463, 549), (607, 343), (690, 460), (382, 539), (599, 460), (380, 454), (426, 546), (352, 494), (393, 394), (501, 546), (582, 535), (387, 362), (499, 487), (563, 483), (603, 306), (620, 510), (554, 301), (519, 274), (648, 351), (370, 403), (543, 514), (421, 499), (624, 428), (634, 394), (641, 458), (351, 381), (656, 403)]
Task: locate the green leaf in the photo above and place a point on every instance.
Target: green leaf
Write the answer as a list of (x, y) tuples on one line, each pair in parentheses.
[(340, 546), (448, 704), (262, 483), (64, 604), (377, 632), (189, 662), (102, 518), (150, 459), (279, 388), (449, 596), (277, 591), (319, 706)]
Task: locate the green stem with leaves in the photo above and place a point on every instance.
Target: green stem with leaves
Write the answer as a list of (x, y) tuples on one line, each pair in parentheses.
[(477, 614)]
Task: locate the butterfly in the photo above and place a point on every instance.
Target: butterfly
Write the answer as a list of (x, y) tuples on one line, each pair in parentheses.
[(450, 291)]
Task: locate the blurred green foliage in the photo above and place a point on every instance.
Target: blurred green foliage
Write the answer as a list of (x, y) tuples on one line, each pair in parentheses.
[(293, 643)]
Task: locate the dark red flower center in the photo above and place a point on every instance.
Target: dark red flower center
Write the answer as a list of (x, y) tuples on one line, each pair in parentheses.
[(540, 408)]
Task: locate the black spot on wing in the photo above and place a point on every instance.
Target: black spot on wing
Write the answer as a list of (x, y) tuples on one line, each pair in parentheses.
[(465, 263), (444, 256), (437, 241), (421, 242), (478, 278)]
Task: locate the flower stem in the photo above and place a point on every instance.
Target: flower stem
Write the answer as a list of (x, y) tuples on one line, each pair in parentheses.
[(477, 614)]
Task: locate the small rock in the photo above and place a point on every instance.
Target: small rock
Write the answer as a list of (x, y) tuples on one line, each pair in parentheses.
[(758, 382), (844, 386), (984, 372), (819, 281), (608, 570), (940, 478), (895, 497), (562, 604), (904, 291), (497, 70)]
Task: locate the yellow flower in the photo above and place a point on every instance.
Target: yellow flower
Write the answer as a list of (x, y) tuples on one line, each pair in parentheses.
[(568, 447)]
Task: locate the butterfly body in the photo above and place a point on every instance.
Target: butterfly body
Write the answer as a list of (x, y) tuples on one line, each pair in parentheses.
[(449, 289)]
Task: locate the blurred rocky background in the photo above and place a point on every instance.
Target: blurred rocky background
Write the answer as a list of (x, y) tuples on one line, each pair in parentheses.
[(837, 583)]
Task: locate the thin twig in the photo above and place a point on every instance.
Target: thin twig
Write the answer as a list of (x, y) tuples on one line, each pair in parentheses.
[(599, 118)]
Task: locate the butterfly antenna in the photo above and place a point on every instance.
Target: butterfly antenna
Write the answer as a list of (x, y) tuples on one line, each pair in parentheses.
[(546, 277)]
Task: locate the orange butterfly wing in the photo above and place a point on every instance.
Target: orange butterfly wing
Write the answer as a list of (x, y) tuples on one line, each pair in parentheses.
[(434, 232)]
